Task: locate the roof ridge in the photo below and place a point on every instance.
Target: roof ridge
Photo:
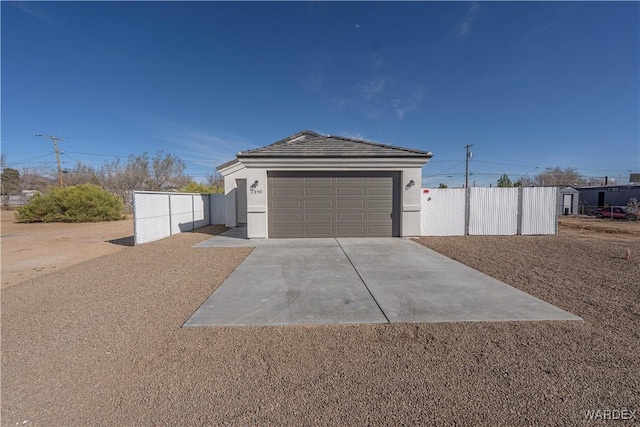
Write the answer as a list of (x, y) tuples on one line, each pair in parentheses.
[(308, 143), (293, 137), (284, 141)]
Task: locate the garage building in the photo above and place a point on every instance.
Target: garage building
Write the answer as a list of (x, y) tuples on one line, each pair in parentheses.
[(312, 185)]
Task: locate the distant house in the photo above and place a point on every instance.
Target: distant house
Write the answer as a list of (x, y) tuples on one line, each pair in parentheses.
[(611, 195), (16, 201)]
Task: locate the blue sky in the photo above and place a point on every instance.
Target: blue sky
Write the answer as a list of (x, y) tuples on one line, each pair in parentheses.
[(530, 84)]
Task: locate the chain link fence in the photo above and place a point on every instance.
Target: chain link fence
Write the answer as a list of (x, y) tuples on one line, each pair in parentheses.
[(14, 201), (159, 215), (629, 213)]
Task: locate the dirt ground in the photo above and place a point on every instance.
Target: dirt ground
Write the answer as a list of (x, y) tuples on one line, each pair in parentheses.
[(101, 343), (32, 250), (598, 228)]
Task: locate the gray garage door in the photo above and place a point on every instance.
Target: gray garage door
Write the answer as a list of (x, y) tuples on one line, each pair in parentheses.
[(333, 204)]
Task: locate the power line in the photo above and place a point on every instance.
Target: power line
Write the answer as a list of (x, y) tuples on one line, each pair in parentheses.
[(443, 161), (29, 160), (447, 169), (95, 154), (505, 164), (606, 170), (520, 179)]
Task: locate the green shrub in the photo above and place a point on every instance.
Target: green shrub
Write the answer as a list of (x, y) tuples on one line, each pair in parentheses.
[(79, 203), (194, 187)]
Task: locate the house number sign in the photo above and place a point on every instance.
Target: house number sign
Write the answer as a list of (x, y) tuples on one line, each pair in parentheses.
[(254, 188)]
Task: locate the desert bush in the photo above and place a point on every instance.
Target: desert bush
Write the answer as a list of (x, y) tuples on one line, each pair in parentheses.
[(79, 203), (194, 187)]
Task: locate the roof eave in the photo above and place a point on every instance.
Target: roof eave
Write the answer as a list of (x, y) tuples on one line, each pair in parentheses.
[(335, 156), (227, 164)]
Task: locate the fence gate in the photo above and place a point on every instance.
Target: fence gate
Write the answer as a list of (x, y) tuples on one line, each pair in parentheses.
[(442, 212)]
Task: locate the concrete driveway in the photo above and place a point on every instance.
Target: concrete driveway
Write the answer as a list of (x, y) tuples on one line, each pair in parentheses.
[(353, 280)]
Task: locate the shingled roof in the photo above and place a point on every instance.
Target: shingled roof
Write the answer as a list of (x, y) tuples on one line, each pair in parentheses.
[(309, 144)]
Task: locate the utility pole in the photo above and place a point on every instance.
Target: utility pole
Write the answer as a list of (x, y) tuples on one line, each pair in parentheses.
[(55, 140), (466, 171), (467, 192)]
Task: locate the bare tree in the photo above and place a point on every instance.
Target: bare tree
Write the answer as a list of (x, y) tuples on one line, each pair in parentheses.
[(110, 178), (214, 179), (136, 172), (81, 174), (594, 181), (167, 173), (123, 178), (163, 172), (38, 178), (555, 176)]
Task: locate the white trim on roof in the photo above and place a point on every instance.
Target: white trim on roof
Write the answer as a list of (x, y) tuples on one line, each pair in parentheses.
[(231, 168), (350, 163)]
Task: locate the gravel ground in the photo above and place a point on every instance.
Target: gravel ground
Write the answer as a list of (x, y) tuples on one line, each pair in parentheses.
[(100, 343)]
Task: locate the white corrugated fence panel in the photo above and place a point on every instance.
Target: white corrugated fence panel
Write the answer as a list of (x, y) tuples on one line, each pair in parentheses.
[(217, 208), (151, 217), (181, 213), (539, 214), (493, 211), (200, 210), (442, 212)]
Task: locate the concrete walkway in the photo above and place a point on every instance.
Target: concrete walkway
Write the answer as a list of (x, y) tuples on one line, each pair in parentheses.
[(352, 280), (233, 238)]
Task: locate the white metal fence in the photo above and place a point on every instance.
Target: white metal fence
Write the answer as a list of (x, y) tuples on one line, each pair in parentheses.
[(491, 211), (539, 210), (159, 215), (445, 212)]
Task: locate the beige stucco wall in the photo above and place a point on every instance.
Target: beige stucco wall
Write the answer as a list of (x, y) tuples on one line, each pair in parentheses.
[(256, 203), (237, 171), (255, 170), (411, 202)]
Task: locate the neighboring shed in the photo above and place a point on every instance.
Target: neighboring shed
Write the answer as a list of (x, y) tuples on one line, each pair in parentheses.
[(312, 185), (568, 200), (612, 195)]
